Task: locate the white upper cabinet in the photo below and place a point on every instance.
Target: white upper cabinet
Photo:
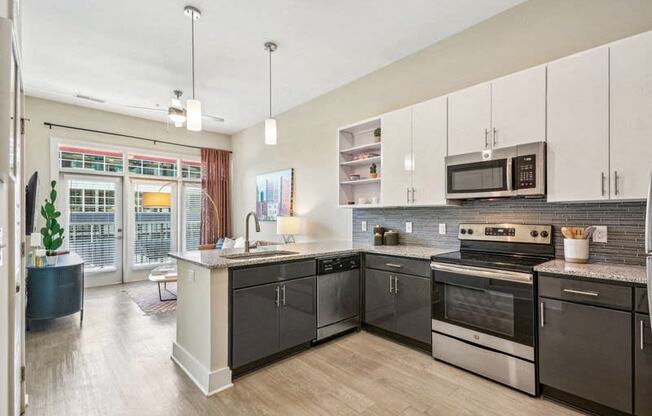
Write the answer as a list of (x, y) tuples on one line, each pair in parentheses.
[(578, 127), (518, 108), (469, 119), (429, 152), (397, 147), (631, 116)]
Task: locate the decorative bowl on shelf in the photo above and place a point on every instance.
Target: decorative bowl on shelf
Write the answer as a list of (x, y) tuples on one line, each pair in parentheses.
[(354, 177)]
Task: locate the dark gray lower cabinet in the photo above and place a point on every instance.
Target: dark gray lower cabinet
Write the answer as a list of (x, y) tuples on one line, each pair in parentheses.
[(270, 318), (587, 351), (398, 303), (643, 365)]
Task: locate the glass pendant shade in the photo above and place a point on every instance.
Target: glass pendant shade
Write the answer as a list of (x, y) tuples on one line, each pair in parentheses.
[(193, 114), (270, 131)]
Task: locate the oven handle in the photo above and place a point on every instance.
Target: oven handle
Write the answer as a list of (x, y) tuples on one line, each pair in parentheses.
[(484, 273)]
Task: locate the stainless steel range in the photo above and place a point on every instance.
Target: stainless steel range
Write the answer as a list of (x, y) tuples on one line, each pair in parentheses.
[(483, 312)]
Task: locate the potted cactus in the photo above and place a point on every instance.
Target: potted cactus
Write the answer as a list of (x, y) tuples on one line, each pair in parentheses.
[(377, 135), (52, 232), (372, 171)]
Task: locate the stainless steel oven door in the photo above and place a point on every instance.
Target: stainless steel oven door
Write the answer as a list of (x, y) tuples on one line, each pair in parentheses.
[(488, 307)]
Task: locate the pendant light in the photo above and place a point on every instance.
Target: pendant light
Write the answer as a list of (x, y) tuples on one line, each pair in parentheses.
[(270, 123), (193, 106)]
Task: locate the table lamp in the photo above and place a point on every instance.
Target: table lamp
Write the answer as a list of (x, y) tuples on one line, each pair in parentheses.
[(288, 227)]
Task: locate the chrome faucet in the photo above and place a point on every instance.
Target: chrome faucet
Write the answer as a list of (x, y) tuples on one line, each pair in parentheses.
[(246, 236)]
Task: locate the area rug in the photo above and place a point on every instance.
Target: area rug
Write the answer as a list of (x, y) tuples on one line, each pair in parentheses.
[(146, 297)]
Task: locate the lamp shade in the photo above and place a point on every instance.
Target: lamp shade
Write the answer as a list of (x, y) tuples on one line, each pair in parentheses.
[(157, 200), (288, 225), (270, 131), (193, 114)]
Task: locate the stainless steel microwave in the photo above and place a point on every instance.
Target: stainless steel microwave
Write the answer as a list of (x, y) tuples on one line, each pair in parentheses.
[(517, 171)]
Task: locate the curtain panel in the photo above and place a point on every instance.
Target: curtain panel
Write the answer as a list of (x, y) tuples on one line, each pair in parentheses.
[(215, 181)]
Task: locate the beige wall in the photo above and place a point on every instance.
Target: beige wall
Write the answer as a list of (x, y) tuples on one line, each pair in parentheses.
[(37, 135), (533, 33)]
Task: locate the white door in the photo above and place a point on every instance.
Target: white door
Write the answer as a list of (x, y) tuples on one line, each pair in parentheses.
[(469, 119), (631, 116), (429, 152), (397, 155), (578, 127), (92, 208), (518, 108)]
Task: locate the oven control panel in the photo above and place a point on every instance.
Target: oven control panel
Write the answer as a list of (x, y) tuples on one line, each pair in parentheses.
[(517, 233)]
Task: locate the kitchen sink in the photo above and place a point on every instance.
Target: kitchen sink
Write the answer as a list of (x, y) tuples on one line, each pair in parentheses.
[(251, 255)]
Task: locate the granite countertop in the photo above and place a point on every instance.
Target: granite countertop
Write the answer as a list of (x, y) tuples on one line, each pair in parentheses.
[(214, 259), (602, 271)]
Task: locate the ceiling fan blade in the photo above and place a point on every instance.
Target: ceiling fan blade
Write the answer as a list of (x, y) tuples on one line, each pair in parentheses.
[(138, 107), (214, 118)]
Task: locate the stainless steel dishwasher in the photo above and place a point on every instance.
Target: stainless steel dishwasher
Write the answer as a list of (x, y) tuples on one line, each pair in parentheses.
[(338, 295)]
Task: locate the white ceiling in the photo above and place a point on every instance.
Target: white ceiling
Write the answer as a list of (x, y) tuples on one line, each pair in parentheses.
[(130, 52)]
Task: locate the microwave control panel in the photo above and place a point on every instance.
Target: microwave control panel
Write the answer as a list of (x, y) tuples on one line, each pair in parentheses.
[(526, 171)]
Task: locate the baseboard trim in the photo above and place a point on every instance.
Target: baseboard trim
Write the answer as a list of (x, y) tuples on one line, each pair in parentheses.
[(209, 382)]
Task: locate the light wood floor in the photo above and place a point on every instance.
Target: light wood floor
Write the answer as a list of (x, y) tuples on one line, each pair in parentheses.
[(118, 364)]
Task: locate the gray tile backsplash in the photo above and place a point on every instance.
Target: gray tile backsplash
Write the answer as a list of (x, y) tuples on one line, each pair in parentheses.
[(625, 222)]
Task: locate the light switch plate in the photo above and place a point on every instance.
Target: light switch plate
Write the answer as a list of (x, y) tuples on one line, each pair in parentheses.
[(600, 234), (408, 226), (364, 225), (442, 229)]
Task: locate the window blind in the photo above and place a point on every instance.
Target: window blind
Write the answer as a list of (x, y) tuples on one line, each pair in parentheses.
[(192, 216), (153, 228)]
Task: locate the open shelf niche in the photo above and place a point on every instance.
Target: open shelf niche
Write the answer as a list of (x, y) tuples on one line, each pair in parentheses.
[(357, 150)]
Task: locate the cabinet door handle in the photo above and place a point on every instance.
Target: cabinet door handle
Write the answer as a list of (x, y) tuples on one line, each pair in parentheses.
[(616, 182), (391, 284), (494, 137), (407, 195), (542, 308), (602, 178), (278, 296), (581, 292), (642, 334), (283, 291), (398, 266), (413, 195), (395, 285), (486, 138)]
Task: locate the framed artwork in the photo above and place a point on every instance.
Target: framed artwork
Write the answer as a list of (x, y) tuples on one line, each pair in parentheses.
[(274, 194)]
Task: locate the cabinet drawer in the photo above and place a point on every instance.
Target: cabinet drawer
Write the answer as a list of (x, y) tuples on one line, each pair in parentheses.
[(399, 265), (586, 292), (260, 275), (640, 300)]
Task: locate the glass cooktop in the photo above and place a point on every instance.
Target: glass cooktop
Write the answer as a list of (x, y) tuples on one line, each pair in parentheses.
[(521, 263)]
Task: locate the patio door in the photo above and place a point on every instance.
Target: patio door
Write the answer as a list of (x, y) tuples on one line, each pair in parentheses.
[(92, 210)]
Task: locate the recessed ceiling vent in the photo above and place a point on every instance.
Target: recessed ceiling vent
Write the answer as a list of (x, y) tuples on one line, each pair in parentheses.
[(89, 98)]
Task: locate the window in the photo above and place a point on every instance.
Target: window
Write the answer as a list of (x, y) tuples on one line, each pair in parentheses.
[(153, 228), (152, 165), (92, 230), (89, 159), (191, 169), (192, 216)]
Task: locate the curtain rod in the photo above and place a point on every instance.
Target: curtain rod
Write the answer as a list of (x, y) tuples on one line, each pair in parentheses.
[(129, 136)]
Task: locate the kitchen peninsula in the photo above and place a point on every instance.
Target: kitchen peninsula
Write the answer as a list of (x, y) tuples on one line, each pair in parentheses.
[(204, 308)]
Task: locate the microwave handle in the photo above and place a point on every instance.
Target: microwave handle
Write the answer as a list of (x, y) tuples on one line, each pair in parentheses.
[(509, 174)]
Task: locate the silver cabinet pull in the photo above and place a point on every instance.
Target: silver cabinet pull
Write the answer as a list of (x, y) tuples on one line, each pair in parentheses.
[(391, 284), (542, 308), (581, 292), (494, 137), (283, 291), (642, 330), (486, 138), (395, 285), (602, 177), (412, 199), (278, 296), (398, 266), (616, 182), (407, 195)]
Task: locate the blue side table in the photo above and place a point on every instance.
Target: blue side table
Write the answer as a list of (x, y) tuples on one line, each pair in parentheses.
[(56, 291)]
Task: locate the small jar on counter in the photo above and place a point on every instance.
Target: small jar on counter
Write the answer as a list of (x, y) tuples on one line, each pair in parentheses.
[(391, 238), (378, 239)]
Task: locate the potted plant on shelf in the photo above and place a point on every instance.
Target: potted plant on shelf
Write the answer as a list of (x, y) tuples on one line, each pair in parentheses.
[(372, 171), (377, 135), (52, 232)]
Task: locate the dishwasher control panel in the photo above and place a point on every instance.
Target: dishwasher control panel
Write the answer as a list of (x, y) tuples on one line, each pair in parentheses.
[(337, 264)]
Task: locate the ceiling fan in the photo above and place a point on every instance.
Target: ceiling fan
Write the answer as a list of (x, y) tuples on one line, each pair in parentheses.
[(176, 112)]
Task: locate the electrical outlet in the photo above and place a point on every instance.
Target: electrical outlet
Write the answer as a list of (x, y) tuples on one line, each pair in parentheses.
[(364, 225), (600, 234), (442, 229), (408, 226)]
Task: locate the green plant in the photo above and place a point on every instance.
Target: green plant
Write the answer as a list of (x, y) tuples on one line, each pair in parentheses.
[(52, 232), (377, 132), (372, 168)]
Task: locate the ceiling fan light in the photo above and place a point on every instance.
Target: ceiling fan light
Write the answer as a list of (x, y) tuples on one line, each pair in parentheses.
[(193, 112), (270, 131), (176, 115)]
